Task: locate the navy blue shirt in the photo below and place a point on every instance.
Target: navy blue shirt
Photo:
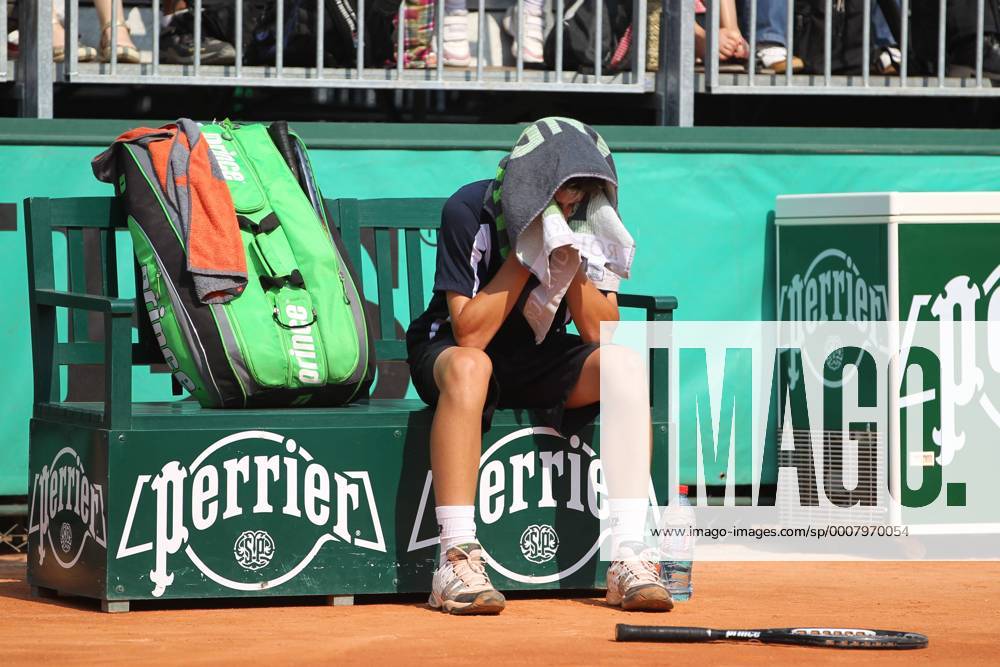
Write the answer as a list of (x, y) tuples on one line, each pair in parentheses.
[(468, 256)]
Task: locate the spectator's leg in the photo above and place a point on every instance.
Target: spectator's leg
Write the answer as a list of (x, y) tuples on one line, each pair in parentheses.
[(923, 35), (880, 28), (84, 53), (772, 35), (771, 21), (960, 36), (888, 58), (58, 35), (962, 19), (127, 53)]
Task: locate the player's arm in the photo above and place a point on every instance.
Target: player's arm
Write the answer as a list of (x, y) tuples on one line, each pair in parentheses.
[(475, 321), (588, 307)]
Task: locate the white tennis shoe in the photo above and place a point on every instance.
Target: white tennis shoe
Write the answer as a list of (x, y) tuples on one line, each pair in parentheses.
[(634, 581), (461, 585)]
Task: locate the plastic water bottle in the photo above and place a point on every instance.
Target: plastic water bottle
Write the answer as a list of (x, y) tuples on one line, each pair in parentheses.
[(678, 550)]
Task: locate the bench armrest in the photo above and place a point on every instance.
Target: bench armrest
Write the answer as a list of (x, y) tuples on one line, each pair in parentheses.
[(91, 302), (656, 307), (117, 357)]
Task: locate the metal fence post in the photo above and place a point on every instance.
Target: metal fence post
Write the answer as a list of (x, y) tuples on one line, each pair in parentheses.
[(34, 66), (675, 78)]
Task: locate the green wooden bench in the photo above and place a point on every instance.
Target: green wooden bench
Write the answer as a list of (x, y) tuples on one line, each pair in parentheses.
[(158, 500)]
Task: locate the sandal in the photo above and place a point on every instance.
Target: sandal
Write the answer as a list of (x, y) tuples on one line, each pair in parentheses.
[(84, 53), (126, 54)]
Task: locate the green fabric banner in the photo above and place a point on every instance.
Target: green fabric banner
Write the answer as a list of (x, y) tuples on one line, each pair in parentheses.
[(702, 221)]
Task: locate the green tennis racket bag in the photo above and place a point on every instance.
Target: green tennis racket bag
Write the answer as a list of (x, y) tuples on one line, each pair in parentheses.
[(296, 334)]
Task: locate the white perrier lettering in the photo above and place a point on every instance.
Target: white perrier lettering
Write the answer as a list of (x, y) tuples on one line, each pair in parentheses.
[(289, 482)]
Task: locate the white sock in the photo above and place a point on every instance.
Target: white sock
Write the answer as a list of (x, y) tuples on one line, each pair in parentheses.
[(628, 521), (533, 7), (456, 525), (450, 7)]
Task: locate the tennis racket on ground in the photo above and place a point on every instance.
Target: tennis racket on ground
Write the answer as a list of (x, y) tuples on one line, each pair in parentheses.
[(828, 637)]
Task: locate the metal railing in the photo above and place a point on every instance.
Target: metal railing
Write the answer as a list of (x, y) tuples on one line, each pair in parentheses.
[(860, 80), (674, 83), (632, 79), (37, 74), (4, 76)]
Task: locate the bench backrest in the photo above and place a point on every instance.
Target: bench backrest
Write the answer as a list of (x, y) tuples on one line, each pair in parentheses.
[(94, 264), (398, 228)]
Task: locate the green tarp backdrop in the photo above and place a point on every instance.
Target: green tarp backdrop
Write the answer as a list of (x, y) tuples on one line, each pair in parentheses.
[(699, 203)]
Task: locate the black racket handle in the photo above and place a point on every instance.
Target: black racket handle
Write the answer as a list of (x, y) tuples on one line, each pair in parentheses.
[(654, 633)]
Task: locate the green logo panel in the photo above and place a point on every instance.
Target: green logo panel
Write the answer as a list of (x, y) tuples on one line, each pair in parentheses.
[(307, 511), (832, 273), (67, 507), (221, 513)]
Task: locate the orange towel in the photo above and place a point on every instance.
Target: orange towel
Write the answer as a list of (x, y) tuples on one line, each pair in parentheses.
[(193, 187)]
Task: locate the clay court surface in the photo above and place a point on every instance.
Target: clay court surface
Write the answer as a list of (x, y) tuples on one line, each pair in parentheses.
[(956, 604)]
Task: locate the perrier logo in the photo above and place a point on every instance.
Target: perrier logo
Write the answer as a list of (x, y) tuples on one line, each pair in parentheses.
[(67, 509), (538, 506), (250, 512)]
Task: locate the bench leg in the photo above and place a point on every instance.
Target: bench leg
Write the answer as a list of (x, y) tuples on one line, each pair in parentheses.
[(42, 592), (114, 606), (340, 600)]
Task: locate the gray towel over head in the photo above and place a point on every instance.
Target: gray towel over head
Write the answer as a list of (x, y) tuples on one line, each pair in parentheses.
[(549, 153)]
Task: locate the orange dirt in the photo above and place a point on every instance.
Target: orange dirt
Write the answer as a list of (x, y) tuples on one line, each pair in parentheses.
[(955, 604)]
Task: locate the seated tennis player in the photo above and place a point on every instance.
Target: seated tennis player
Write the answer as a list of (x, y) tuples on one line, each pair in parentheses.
[(519, 257)]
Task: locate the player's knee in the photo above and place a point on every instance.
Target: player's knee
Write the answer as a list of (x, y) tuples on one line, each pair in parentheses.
[(467, 373), (621, 367)]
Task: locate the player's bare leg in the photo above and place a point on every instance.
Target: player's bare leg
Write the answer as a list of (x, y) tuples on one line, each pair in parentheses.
[(634, 574), (461, 585)]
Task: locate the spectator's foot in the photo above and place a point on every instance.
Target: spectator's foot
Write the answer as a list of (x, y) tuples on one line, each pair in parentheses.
[(177, 48), (888, 60), (963, 58), (84, 54), (774, 58), (456, 39), (125, 50), (534, 33)]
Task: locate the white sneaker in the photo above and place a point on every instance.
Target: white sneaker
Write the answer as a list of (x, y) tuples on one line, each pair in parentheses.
[(534, 33), (456, 39), (461, 585), (888, 60), (634, 582), (774, 57)]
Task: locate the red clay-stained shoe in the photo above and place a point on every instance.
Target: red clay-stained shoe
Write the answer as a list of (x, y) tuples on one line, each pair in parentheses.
[(461, 585), (634, 581)]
